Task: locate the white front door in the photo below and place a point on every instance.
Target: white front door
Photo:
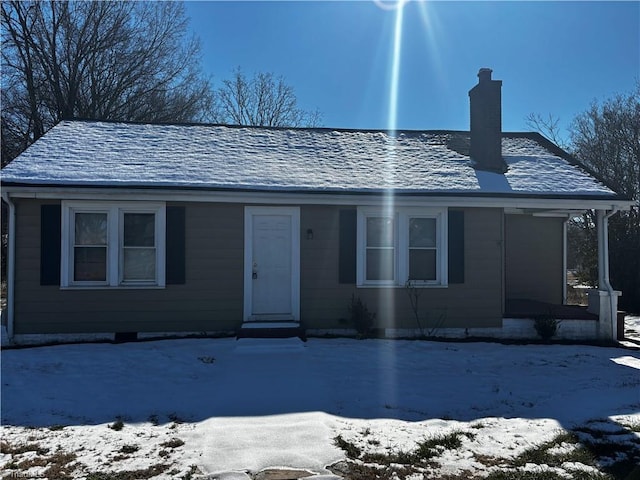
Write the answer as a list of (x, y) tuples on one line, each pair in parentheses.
[(272, 263)]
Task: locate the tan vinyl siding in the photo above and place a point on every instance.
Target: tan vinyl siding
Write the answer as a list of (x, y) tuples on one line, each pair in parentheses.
[(211, 299), (323, 300), (533, 258), (476, 303)]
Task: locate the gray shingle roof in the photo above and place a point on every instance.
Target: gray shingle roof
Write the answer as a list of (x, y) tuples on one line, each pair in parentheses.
[(96, 153)]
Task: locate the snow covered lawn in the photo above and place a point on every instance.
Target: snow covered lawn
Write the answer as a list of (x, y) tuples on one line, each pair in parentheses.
[(186, 408), (632, 328)]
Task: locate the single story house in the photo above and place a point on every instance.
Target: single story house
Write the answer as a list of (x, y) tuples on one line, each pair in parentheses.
[(132, 229)]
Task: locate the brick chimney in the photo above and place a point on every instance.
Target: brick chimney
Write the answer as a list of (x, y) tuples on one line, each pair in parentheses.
[(486, 123)]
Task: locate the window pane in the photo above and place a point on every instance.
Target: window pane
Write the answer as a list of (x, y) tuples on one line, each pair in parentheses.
[(422, 264), (91, 228), (379, 232), (90, 264), (139, 229), (380, 264), (422, 232), (139, 264)]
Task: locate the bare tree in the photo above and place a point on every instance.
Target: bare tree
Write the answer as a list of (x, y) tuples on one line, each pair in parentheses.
[(548, 126), (606, 138), (263, 100), (104, 60)]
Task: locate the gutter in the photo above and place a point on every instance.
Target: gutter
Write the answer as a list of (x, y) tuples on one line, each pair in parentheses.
[(11, 260), (273, 197)]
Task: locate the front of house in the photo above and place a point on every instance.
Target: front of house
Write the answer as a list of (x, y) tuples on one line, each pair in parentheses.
[(149, 229)]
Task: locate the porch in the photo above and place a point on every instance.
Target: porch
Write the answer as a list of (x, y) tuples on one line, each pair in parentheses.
[(576, 321), (536, 275), (523, 308)]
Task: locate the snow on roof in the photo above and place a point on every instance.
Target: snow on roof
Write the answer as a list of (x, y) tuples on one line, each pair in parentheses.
[(96, 153)]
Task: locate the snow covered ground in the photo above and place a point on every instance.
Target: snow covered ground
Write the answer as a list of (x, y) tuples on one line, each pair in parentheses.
[(632, 328), (219, 407)]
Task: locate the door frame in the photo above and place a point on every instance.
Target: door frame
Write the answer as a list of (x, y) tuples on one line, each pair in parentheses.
[(249, 213)]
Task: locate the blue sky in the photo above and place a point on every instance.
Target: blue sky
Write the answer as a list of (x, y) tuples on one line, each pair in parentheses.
[(553, 57)]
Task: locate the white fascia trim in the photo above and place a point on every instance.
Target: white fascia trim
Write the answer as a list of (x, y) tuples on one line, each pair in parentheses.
[(288, 198)]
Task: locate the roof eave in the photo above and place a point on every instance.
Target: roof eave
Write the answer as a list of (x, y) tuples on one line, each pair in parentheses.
[(307, 196)]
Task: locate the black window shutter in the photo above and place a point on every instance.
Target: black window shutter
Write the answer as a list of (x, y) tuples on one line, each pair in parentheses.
[(347, 251), (456, 246), (50, 244), (175, 246)]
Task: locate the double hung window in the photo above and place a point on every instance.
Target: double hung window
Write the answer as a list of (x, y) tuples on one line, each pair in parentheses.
[(138, 247), (380, 249), (423, 249), (90, 246), (406, 244), (113, 244)]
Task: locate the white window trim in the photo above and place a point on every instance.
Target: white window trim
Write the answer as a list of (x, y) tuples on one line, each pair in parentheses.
[(401, 216), (115, 212)]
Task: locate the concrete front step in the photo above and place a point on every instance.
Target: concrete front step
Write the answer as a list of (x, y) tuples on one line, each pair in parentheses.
[(271, 330)]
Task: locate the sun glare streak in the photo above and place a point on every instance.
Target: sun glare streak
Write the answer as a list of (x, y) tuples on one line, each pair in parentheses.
[(387, 295), (390, 4), (430, 25), (392, 123)]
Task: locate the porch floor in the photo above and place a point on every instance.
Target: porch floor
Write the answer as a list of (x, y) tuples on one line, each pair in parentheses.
[(523, 308)]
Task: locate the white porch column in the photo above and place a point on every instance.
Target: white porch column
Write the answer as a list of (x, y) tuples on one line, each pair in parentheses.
[(604, 300)]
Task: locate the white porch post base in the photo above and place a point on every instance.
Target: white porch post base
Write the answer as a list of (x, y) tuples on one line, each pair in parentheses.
[(607, 310)]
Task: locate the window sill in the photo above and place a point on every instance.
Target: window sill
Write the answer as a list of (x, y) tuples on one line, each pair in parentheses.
[(403, 286), (109, 287)]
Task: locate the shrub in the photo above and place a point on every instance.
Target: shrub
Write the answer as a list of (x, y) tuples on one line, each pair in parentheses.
[(546, 326), (361, 318)]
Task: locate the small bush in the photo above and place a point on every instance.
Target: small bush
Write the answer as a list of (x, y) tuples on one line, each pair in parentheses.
[(361, 318), (546, 326)]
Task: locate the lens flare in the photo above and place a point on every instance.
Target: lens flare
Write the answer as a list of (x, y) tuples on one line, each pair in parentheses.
[(387, 295), (390, 4), (395, 68)]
